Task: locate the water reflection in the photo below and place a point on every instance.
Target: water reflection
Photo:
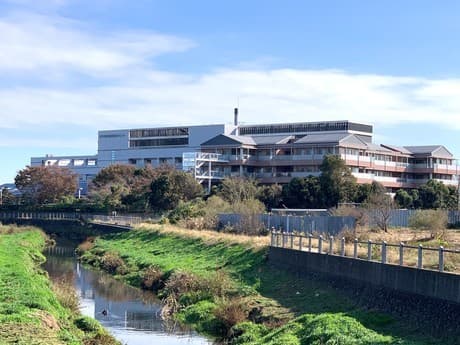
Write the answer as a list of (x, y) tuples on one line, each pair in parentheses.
[(131, 315)]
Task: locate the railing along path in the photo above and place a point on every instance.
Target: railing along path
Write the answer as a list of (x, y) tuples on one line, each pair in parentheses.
[(365, 250)]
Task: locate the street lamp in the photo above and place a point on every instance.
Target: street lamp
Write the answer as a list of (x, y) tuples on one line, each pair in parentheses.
[(79, 192)]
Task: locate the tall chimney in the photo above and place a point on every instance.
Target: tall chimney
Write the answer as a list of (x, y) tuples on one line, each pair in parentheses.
[(235, 122)]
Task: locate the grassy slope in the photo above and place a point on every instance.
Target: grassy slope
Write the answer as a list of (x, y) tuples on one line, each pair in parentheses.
[(281, 296), (29, 311)]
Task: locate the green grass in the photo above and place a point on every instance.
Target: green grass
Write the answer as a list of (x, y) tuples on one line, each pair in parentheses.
[(308, 311), (30, 313)]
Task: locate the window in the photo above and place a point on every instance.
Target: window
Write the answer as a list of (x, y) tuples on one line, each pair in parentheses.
[(158, 142)]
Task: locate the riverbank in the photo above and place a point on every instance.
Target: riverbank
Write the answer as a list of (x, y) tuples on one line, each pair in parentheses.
[(222, 285), (32, 311)]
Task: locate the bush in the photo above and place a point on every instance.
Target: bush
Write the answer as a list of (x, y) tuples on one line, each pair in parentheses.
[(247, 332), (231, 312), (110, 262), (433, 220), (85, 246), (152, 278)]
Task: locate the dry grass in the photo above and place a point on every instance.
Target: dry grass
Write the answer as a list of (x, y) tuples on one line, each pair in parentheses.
[(395, 237), (209, 237), (66, 293)]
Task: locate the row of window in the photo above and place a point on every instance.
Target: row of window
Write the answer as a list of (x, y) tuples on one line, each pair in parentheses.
[(295, 128), (155, 161), (158, 132), (67, 162), (158, 142)]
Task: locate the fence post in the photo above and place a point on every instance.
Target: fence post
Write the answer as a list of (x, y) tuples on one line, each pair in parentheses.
[(331, 243), (283, 234), (300, 242), (384, 252), (420, 256), (292, 239), (342, 246), (441, 258), (309, 242), (320, 244), (272, 242), (401, 253), (355, 248), (278, 238), (369, 250)]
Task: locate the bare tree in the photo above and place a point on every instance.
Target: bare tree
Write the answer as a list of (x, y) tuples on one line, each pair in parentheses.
[(380, 205)]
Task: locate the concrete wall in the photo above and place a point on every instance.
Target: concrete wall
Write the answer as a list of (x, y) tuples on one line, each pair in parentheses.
[(432, 284)]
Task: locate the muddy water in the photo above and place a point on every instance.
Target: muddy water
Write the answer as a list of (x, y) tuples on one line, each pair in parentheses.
[(130, 314)]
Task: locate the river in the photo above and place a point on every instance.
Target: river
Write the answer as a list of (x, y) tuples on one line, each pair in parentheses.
[(129, 314)]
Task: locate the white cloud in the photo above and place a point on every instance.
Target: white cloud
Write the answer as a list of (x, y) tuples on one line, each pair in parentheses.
[(273, 96), (131, 92), (38, 43)]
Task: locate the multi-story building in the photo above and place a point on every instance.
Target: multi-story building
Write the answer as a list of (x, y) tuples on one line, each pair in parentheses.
[(139, 147), (271, 153)]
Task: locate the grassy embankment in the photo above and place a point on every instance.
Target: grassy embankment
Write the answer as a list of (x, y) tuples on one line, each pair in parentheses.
[(32, 311), (222, 285)]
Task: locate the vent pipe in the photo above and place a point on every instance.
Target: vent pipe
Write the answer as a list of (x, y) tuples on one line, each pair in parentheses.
[(235, 121)]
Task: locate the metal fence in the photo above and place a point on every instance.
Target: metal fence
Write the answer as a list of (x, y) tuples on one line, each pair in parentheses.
[(400, 218), (40, 215), (323, 224), (73, 216), (114, 220), (386, 253)]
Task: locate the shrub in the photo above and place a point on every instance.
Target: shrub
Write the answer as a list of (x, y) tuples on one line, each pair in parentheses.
[(247, 332), (152, 278), (231, 312), (85, 246), (433, 220), (111, 261)]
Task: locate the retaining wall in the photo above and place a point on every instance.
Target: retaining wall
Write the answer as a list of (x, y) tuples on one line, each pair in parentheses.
[(432, 284)]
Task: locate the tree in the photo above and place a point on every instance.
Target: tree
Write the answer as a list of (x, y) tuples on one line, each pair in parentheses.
[(237, 189), (403, 199), (123, 187), (381, 205), (270, 195), (362, 192), (337, 182), (8, 198), (42, 185), (171, 187), (303, 192), (433, 194)]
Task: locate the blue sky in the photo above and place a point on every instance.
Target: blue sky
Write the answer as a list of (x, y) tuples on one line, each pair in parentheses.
[(70, 68)]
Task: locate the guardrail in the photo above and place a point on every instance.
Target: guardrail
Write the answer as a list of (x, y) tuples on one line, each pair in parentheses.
[(440, 259), (114, 220), (73, 216)]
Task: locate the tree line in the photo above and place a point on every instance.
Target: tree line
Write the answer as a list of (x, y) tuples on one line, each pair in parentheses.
[(130, 189)]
